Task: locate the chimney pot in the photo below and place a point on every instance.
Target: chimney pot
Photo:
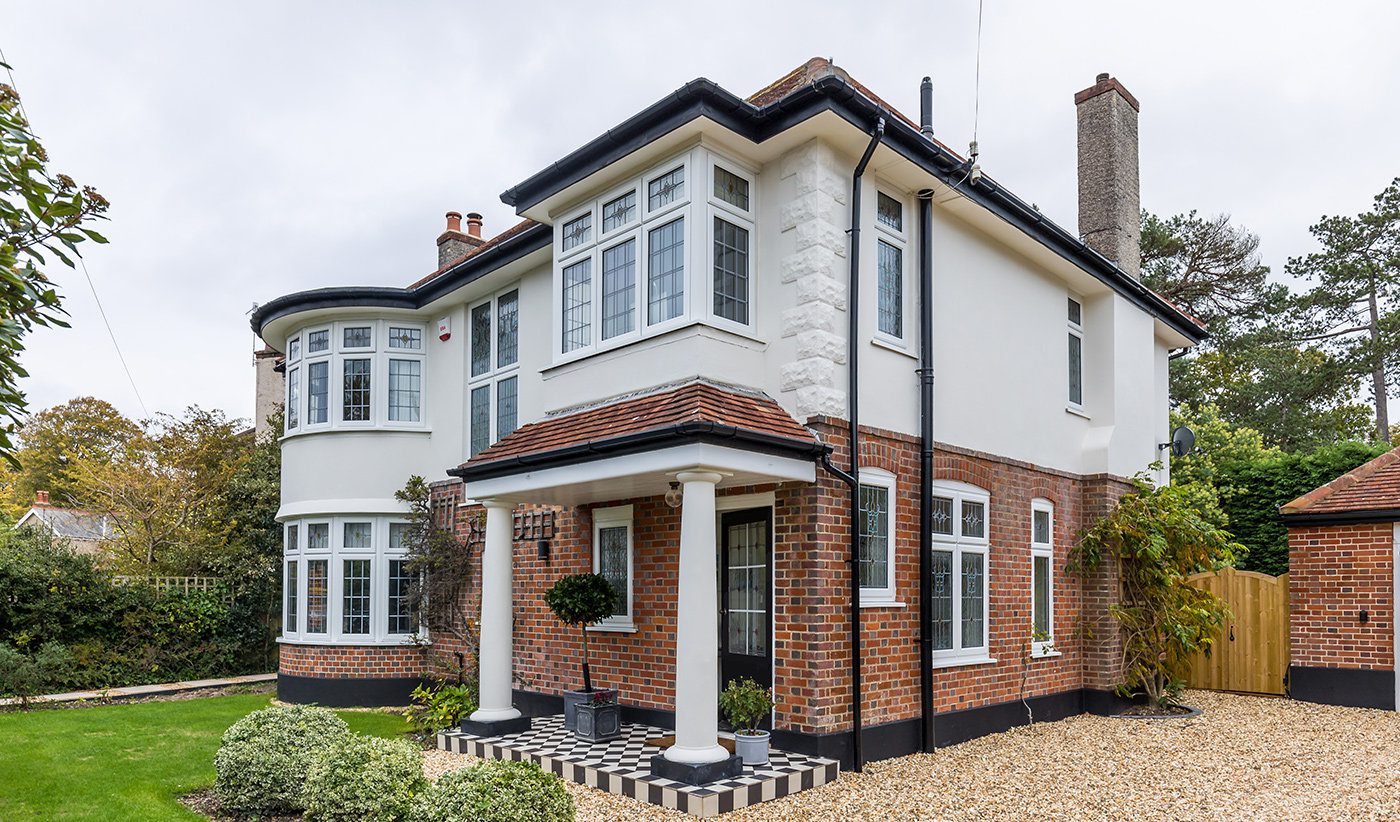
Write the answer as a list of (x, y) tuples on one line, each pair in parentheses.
[(473, 224), (454, 221), (1102, 78), (41, 497)]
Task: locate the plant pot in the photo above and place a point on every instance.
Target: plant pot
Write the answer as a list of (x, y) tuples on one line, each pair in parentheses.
[(598, 722), (752, 748), (572, 699)]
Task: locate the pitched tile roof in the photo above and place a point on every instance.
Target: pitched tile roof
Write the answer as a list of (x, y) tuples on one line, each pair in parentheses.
[(694, 406), (1374, 486), (73, 523), (494, 241)]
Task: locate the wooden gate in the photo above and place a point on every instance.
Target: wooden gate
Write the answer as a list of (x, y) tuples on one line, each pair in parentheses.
[(1251, 654)]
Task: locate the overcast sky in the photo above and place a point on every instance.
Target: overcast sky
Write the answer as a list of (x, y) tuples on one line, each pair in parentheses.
[(251, 149)]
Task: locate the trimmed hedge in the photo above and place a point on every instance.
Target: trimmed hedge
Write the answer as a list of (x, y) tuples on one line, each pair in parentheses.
[(364, 778), (495, 791), (265, 758)]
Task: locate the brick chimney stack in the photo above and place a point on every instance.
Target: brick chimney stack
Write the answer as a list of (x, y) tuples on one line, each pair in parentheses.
[(454, 242), (41, 499), (1109, 200)]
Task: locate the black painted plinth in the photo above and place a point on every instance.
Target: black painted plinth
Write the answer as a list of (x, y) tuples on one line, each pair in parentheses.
[(497, 727), (696, 774)]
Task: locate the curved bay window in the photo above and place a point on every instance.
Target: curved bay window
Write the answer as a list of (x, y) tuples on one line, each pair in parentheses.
[(355, 374), (345, 581)]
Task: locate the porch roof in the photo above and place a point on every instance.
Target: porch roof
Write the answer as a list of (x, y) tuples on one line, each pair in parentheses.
[(1370, 492)]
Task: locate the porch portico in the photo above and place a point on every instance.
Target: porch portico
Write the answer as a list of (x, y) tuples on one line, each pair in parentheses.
[(689, 440)]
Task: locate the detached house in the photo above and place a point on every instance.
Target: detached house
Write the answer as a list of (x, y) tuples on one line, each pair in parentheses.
[(658, 374)]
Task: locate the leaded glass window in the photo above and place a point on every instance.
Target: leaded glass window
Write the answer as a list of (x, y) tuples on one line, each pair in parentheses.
[(1040, 527), (889, 270), (942, 515), (1076, 368), (941, 609), (318, 537), (317, 595), (291, 539), (1076, 312), (317, 341), (665, 272), (407, 339), (507, 329), (732, 188), (619, 212), (577, 232), (360, 336), (619, 289), (959, 568), (731, 272), (973, 600), (1040, 597), (480, 418), (506, 402), (889, 212), (974, 519), (666, 189), (294, 349), (317, 392), (614, 563), (405, 390), (578, 305), (293, 396), (874, 537), (355, 597), (481, 339), (359, 534), (399, 580), (355, 406), (291, 592)]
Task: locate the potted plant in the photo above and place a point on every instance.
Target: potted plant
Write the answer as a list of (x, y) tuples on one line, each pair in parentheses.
[(581, 600), (599, 718), (745, 704)]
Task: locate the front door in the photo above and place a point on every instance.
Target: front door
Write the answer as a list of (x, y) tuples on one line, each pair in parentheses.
[(746, 624)]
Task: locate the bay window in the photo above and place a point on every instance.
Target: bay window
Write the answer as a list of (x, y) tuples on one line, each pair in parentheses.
[(346, 581), (959, 609), (380, 368), (493, 384)]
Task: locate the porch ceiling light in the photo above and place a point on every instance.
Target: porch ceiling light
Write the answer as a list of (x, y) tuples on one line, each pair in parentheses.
[(673, 496)]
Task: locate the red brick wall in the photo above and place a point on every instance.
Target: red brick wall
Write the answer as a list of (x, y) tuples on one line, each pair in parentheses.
[(350, 661), (1334, 572)]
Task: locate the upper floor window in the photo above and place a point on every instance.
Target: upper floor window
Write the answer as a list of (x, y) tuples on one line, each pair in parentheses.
[(374, 375), (877, 532), (891, 244), (626, 263), (1042, 576), (1076, 353), (958, 565), (492, 380)]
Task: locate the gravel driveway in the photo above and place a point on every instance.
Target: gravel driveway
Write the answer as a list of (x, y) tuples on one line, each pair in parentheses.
[(1244, 758)]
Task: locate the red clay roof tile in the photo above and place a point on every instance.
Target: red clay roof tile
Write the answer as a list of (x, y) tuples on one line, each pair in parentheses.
[(1370, 487)]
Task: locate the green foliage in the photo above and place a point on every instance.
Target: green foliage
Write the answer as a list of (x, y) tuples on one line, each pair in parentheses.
[(495, 791), (1208, 267), (266, 758), (1157, 537), (41, 213), (440, 565), (441, 706), (364, 778), (27, 675), (54, 440), (581, 600), (745, 704)]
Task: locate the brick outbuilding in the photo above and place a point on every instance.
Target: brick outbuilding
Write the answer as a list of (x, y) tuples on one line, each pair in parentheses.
[(1343, 540)]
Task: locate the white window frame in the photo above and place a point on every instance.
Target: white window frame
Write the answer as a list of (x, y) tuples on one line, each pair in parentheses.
[(899, 239), (885, 595), (1075, 330), (959, 545), (381, 582), (492, 377), (1046, 550), (379, 354), (615, 517), (715, 207), (292, 554)]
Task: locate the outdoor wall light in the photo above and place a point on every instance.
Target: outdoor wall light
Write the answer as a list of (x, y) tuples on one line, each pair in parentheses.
[(673, 496)]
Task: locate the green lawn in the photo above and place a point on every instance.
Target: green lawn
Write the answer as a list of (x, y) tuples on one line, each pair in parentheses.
[(119, 762)]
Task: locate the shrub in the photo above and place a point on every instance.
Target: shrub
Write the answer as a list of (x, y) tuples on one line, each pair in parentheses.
[(441, 706), (495, 792), (264, 758), (26, 675), (364, 778), (582, 600), (745, 703)]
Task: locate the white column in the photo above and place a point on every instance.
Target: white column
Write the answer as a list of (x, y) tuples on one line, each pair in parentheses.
[(494, 656), (697, 627)]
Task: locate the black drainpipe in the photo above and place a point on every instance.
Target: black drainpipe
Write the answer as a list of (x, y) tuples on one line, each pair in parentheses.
[(926, 464), (852, 477)]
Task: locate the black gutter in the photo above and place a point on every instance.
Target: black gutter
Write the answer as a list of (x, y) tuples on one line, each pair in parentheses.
[(926, 441), (473, 268), (832, 92), (1341, 517), (684, 433)]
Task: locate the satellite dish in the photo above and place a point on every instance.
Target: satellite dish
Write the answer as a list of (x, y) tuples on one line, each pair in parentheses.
[(1183, 441)]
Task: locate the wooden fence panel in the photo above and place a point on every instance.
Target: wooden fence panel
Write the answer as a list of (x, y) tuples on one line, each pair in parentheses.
[(1251, 653)]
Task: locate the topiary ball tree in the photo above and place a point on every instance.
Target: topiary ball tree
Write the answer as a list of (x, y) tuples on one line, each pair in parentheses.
[(582, 600)]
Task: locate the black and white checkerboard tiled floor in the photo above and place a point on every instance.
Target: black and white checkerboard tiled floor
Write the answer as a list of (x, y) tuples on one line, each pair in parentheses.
[(623, 766)]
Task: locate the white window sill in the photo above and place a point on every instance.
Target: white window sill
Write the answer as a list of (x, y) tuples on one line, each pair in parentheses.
[(1045, 654), (326, 639), (959, 662), (357, 429), (881, 603), (613, 628), (893, 346), (1078, 412)]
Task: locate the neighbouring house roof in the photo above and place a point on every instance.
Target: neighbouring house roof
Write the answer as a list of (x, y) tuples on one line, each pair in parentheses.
[(69, 523), (1367, 493), (817, 85), (695, 411)]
